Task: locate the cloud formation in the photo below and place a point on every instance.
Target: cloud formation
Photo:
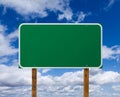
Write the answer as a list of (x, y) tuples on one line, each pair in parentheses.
[(116, 88), (41, 9), (45, 70), (2, 28), (111, 52), (6, 49), (69, 84), (103, 77)]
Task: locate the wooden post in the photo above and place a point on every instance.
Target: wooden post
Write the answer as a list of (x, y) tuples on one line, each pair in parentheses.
[(34, 82), (86, 82)]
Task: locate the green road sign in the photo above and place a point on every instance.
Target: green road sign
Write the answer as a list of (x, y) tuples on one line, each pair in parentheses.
[(60, 45)]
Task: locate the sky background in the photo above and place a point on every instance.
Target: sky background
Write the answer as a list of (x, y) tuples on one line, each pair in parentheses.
[(15, 82)]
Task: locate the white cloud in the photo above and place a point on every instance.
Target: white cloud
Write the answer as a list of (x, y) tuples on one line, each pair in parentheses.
[(13, 35), (13, 76), (41, 8), (94, 88), (2, 28), (46, 70), (75, 18), (5, 43), (81, 17), (25, 7), (105, 78), (116, 95), (36, 7), (70, 78), (116, 88), (67, 85), (111, 52), (67, 14)]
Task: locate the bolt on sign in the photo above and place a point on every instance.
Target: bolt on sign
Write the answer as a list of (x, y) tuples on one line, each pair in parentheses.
[(60, 45)]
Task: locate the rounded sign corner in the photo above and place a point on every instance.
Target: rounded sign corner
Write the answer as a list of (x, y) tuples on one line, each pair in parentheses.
[(20, 66), (100, 25), (22, 24)]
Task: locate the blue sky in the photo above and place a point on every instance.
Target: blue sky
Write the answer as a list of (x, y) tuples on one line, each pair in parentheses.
[(15, 82)]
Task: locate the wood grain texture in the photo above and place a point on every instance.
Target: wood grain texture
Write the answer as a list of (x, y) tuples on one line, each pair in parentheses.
[(86, 82), (34, 82)]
